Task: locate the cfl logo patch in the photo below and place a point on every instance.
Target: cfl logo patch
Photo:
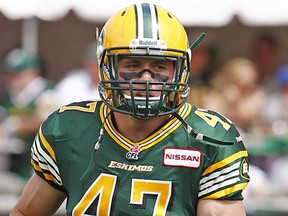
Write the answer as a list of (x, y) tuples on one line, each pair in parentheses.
[(133, 153)]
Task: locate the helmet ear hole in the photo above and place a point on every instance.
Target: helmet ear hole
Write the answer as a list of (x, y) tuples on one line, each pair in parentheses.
[(169, 15), (123, 13)]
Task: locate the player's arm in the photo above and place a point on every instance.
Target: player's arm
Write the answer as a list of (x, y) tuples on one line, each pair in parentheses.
[(209, 207), (38, 198)]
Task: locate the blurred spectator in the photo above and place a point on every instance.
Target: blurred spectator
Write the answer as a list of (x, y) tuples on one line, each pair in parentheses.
[(265, 54), (271, 154), (272, 157), (237, 94), (201, 69), (202, 65), (259, 183), (279, 175), (275, 113), (28, 100), (82, 83)]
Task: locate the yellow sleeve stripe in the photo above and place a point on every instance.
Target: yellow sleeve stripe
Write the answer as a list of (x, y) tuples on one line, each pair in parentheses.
[(226, 161), (226, 191), (47, 176), (47, 145)]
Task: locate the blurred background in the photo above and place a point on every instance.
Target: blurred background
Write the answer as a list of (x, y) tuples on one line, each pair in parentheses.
[(47, 59)]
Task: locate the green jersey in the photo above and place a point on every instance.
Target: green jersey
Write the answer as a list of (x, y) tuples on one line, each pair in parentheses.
[(79, 151)]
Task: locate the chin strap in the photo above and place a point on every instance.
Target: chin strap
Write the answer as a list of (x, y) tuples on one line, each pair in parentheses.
[(200, 136)]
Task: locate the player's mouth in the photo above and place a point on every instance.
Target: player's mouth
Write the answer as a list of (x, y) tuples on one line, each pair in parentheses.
[(142, 96)]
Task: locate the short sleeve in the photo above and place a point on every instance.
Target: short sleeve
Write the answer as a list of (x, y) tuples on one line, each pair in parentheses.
[(227, 174), (43, 157)]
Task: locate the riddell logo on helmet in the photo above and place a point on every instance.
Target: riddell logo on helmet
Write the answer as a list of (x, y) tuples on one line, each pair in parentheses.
[(148, 42)]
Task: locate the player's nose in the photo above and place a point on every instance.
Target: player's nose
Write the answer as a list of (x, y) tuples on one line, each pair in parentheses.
[(146, 75)]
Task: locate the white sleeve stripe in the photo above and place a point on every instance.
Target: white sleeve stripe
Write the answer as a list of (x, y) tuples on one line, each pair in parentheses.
[(219, 179), (45, 166), (38, 154), (44, 160), (219, 173), (46, 157), (42, 163), (218, 186)]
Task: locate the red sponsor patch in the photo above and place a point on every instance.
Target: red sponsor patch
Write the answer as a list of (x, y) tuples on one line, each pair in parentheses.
[(190, 158)]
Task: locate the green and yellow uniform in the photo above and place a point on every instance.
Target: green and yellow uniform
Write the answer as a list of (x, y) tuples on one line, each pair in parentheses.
[(165, 174)]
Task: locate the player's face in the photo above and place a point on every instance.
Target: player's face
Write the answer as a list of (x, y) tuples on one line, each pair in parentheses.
[(145, 69)]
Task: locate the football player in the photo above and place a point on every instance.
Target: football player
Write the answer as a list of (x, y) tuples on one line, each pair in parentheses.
[(141, 150)]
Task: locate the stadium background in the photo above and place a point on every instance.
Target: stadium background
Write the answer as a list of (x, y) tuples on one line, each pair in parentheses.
[(59, 31)]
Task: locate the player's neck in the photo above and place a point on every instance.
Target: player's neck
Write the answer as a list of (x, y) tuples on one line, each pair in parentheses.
[(136, 129)]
